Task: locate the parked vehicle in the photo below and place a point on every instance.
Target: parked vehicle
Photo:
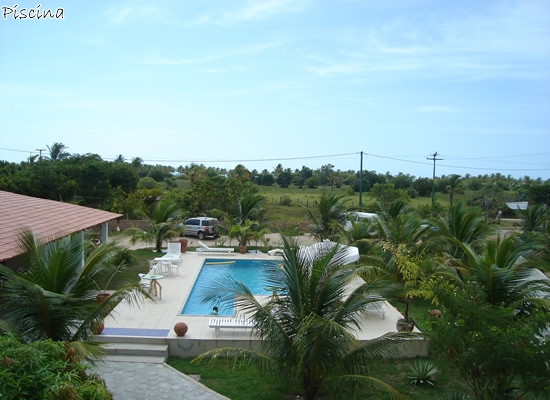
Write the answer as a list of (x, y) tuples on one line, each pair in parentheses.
[(201, 227), (358, 217)]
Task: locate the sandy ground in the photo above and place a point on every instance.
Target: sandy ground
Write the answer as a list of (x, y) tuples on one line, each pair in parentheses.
[(274, 240)]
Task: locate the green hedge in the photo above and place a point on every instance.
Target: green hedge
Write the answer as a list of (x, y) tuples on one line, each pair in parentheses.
[(45, 370)]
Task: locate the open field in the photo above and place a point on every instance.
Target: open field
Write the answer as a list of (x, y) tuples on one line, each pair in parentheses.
[(288, 204)]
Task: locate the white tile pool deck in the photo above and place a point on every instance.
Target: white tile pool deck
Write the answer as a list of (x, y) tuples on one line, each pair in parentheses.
[(162, 314)]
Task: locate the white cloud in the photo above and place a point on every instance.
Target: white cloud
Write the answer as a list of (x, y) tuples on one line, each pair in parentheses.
[(265, 9), (245, 50), (136, 11)]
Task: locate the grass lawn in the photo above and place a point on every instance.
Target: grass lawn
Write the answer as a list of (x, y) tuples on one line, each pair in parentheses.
[(246, 383)]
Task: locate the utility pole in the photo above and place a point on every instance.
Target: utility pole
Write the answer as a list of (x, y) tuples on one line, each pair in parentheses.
[(40, 152), (361, 183), (434, 159)]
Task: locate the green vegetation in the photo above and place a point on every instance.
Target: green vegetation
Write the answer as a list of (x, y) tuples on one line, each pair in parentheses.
[(46, 370), (55, 297), (448, 256), (306, 333), (247, 383), (161, 225)]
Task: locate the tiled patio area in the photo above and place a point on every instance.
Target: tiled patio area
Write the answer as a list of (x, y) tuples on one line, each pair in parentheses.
[(156, 318)]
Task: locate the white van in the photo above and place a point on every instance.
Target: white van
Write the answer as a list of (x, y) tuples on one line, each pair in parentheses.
[(358, 217)]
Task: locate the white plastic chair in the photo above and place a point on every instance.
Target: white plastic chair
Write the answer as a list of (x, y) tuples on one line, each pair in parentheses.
[(144, 283), (175, 265), (164, 265), (154, 267)]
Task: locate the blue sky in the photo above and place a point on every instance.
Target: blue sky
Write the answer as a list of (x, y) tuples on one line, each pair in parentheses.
[(294, 82)]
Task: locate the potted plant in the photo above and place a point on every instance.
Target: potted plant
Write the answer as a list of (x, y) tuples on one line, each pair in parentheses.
[(407, 273), (103, 294), (244, 234)]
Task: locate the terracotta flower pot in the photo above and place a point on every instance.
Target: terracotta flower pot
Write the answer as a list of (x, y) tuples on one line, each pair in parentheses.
[(242, 248), (101, 297), (97, 327), (181, 328)]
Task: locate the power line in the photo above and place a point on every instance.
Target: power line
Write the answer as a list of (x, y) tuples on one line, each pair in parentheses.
[(341, 155), (251, 160), (20, 151), (493, 157)]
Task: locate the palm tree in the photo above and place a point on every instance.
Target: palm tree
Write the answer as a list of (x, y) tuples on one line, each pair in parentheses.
[(504, 270), (162, 222), (358, 234), (55, 295), (398, 224), (534, 219), (328, 216), (57, 152), (306, 333), (250, 206), (460, 225), (452, 187)]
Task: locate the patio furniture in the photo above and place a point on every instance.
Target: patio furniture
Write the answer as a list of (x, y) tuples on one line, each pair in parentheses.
[(165, 262), (173, 248), (276, 252), (175, 265), (144, 283), (230, 322), (378, 307), (154, 267), (155, 288), (205, 249)]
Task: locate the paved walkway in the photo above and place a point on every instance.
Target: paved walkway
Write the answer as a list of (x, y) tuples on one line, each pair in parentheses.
[(145, 381)]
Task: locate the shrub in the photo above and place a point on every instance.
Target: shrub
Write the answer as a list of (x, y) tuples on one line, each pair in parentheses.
[(422, 373), (123, 257), (45, 369)]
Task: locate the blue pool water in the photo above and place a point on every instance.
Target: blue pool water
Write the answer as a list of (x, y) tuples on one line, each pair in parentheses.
[(253, 273)]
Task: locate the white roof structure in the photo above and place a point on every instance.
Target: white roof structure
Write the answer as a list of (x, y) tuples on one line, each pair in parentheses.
[(518, 205), (344, 255)]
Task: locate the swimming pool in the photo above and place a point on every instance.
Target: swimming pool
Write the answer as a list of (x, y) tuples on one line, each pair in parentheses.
[(253, 273)]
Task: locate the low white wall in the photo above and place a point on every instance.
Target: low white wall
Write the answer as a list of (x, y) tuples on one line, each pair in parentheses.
[(188, 348)]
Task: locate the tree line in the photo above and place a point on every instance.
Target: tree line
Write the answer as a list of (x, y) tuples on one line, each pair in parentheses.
[(122, 186)]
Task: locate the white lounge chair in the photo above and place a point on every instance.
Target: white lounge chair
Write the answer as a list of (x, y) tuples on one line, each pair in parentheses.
[(173, 248), (205, 249), (276, 252), (377, 307), (243, 323)]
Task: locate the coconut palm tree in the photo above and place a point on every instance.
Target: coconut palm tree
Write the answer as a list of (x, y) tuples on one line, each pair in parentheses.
[(358, 234), (328, 215), (460, 225), (453, 187), (306, 333), (161, 225), (250, 206), (504, 270), (534, 219), (54, 297), (58, 151), (398, 224)]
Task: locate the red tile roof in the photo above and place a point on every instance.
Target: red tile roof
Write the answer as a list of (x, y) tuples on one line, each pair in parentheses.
[(49, 219)]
